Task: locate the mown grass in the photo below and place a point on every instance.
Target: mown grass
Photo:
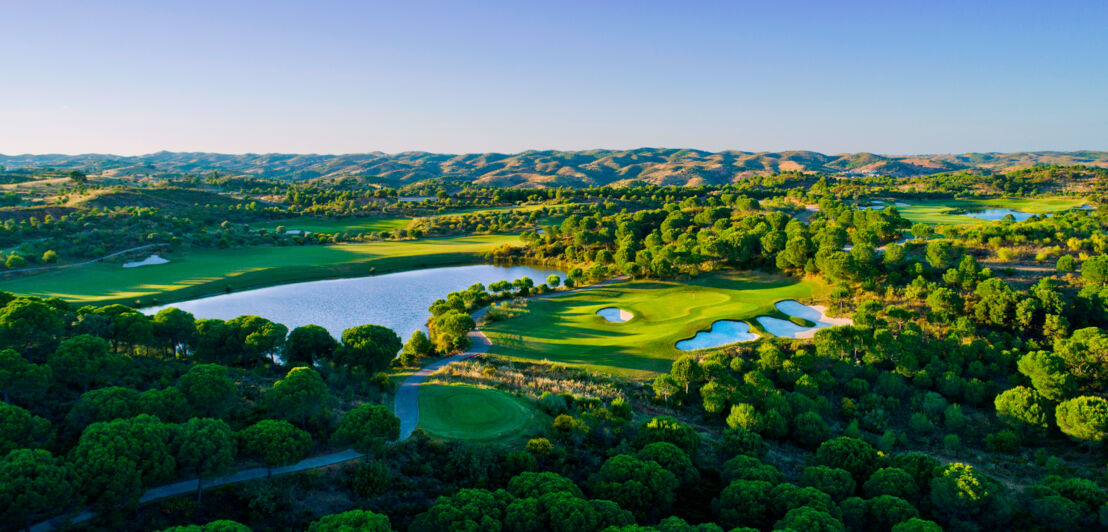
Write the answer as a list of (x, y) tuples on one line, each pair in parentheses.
[(461, 412), (198, 272), (354, 224), (937, 212), (567, 329)]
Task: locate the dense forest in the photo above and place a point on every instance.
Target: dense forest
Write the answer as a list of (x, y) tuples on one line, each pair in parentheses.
[(968, 393)]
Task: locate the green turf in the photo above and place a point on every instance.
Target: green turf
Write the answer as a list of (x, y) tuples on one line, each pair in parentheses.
[(937, 212), (567, 330), (354, 224), (461, 412), (196, 272)]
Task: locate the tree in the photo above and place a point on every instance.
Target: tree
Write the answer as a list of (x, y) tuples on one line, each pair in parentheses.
[(174, 329), (1086, 357), (553, 281), (745, 416), (127, 326), (853, 455), (644, 487), (1023, 409), (745, 503), (84, 359), (300, 394), (50, 257), (36, 486), (257, 338), (418, 346), (114, 461), (891, 481), (208, 389), (21, 381), (941, 254), (308, 344), (922, 230), (805, 519), (833, 481), (351, 521), (449, 330), (668, 429), (29, 324), (103, 404), (20, 429), (665, 386), (275, 443), (367, 348), (1048, 374), (687, 371), (1084, 418), (673, 459), (809, 429), (367, 428), (1095, 270), (469, 510), (205, 447), (885, 511), (916, 524), (222, 525), (959, 493), (530, 484)]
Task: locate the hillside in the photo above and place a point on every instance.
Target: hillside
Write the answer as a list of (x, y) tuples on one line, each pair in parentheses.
[(548, 168)]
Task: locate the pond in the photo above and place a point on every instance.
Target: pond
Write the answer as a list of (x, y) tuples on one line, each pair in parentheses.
[(398, 301), (998, 214)]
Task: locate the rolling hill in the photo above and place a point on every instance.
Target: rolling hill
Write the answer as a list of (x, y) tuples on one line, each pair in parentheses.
[(547, 168)]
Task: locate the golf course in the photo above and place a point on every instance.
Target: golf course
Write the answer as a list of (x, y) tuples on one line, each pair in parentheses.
[(355, 224), (568, 330), (947, 211), (199, 272), (461, 412)]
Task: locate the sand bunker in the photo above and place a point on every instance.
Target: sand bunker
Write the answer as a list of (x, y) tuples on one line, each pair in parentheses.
[(723, 332), (615, 314), (786, 329), (148, 261)]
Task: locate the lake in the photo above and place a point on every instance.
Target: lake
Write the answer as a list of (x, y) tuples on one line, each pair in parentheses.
[(398, 301), (999, 214)]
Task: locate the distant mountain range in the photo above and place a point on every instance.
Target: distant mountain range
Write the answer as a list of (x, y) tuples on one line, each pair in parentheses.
[(549, 168)]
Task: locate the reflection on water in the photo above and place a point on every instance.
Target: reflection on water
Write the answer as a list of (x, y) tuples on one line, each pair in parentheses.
[(398, 301)]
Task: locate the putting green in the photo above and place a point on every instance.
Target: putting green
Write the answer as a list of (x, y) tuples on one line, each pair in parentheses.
[(566, 329), (937, 212), (197, 272), (460, 412)]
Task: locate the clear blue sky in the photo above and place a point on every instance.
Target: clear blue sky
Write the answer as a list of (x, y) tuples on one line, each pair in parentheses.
[(889, 77)]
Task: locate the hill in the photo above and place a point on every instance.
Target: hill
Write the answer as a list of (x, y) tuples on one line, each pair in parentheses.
[(547, 168)]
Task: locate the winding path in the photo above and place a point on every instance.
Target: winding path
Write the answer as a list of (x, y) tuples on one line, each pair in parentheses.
[(406, 408)]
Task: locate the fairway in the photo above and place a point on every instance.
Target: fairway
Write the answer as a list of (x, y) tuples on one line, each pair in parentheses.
[(937, 212), (567, 329), (197, 272), (460, 412), (353, 224)]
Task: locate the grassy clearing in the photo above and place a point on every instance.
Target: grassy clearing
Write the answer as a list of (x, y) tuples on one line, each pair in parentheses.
[(354, 224), (937, 212), (460, 412), (199, 272), (567, 329)]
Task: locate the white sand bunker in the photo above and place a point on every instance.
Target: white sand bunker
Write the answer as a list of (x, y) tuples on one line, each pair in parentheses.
[(148, 261), (723, 332), (615, 314), (814, 313)]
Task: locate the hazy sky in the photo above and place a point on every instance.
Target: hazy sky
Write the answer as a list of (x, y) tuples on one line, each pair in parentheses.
[(469, 76)]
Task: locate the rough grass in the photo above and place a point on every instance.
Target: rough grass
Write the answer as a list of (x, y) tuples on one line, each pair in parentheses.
[(461, 412), (197, 272), (567, 329), (937, 212)]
